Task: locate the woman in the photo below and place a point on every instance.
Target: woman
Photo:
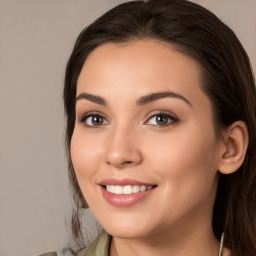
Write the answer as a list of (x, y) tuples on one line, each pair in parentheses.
[(161, 131)]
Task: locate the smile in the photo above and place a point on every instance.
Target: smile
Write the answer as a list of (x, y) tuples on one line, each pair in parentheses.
[(127, 190)]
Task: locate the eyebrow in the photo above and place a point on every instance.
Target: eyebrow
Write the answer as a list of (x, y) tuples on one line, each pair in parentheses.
[(93, 98), (160, 95), (140, 102)]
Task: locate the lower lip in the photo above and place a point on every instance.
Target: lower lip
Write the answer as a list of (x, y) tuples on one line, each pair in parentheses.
[(125, 200)]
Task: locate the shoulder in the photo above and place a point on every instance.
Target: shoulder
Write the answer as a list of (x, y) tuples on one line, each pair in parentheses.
[(100, 246)]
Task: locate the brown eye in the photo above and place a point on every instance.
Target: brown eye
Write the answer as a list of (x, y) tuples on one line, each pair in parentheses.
[(94, 120), (97, 120), (161, 119)]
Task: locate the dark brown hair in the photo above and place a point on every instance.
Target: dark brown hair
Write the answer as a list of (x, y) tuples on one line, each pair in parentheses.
[(228, 82)]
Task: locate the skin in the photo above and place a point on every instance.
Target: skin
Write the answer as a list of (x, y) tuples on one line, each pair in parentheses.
[(181, 158)]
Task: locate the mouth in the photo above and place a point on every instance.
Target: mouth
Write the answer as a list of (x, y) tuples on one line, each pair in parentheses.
[(125, 192), (127, 189)]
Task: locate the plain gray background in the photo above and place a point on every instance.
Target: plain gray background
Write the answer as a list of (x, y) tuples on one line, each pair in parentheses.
[(36, 39)]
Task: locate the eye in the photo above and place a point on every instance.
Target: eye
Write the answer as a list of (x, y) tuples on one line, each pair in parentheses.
[(161, 119), (93, 120)]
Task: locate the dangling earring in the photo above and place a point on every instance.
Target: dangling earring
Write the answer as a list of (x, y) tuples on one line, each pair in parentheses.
[(221, 244)]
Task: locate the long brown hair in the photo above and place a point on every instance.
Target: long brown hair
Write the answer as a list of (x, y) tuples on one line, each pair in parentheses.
[(228, 82)]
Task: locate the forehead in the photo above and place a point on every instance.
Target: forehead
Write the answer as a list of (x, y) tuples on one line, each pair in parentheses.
[(128, 63)]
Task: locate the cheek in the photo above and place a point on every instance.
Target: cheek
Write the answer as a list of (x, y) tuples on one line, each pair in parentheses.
[(186, 161), (85, 155), (187, 170), (87, 158)]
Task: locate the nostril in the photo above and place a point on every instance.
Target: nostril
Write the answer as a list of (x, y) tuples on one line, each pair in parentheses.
[(127, 162)]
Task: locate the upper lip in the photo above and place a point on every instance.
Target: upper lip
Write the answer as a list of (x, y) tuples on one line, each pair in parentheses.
[(123, 182)]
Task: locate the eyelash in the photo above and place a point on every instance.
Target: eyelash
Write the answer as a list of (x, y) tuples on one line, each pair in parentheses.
[(172, 119), (91, 114)]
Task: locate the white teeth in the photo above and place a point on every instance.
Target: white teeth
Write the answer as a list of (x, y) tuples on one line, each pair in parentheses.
[(127, 190), (118, 190), (112, 189), (149, 187), (135, 189), (142, 188)]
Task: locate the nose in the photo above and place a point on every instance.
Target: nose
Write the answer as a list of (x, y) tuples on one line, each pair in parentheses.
[(123, 150)]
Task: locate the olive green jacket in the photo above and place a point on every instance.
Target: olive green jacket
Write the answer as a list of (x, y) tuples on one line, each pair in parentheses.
[(99, 247)]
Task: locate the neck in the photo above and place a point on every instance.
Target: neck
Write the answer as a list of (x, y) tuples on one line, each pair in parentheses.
[(199, 242)]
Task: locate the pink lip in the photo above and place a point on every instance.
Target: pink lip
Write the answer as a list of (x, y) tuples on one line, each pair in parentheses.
[(123, 182), (124, 200)]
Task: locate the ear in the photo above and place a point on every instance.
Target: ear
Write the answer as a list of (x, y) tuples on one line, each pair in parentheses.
[(235, 146)]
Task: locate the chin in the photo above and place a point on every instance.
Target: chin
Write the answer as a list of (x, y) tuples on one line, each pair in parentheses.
[(127, 232), (127, 227)]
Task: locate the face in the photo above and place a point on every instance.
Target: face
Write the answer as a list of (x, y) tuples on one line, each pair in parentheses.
[(144, 148)]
